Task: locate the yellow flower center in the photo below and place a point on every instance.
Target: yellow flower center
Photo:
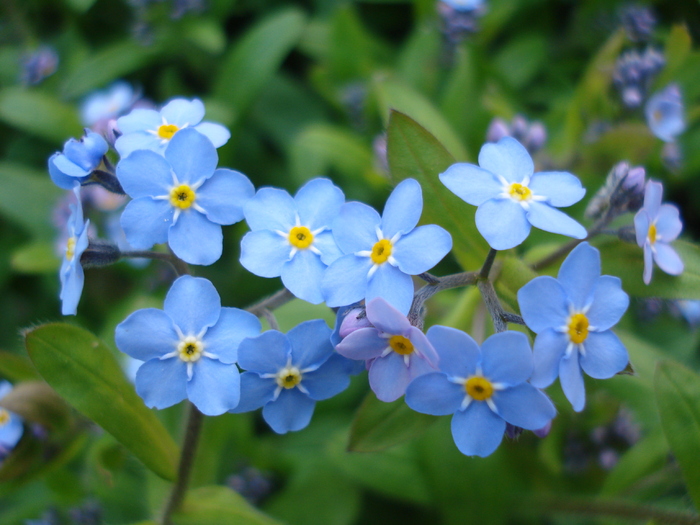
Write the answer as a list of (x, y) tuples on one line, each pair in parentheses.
[(652, 233), (478, 388), (288, 377), (70, 248), (300, 237), (381, 251), (4, 417), (578, 328), (401, 345), (190, 349), (519, 192), (182, 196), (166, 131)]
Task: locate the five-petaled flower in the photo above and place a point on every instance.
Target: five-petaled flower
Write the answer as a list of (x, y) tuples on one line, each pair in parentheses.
[(484, 388), (395, 351), (381, 253), (572, 316), (511, 197), (71, 273), (11, 427), (181, 198), (656, 226), (152, 130), (665, 113), (287, 373), (78, 160), (291, 237), (190, 348)]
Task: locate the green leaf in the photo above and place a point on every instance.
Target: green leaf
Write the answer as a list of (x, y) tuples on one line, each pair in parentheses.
[(520, 60), (644, 458), (80, 5), (626, 261), (87, 375), (36, 257), (379, 425), (257, 56), (207, 34), (16, 368), (35, 401), (28, 198), (216, 505), (38, 114), (414, 152), (678, 398), (677, 50)]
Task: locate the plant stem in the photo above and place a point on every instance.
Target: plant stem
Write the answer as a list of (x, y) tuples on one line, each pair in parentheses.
[(189, 450), (263, 308), (488, 263), (500, 317), (436, 284), (180, 267)]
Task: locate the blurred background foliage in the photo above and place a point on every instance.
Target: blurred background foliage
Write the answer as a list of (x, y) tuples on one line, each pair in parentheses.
[(306, 89)]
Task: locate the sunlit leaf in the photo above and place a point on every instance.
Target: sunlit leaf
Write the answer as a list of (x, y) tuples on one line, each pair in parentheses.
[(37, 257)]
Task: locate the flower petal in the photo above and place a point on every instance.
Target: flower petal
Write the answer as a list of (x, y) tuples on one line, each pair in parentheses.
[(458, 352), (364, 343), (653, 193), (503, 223), (139, 120), (216, 133), (195, 239), (146, 221), (572, 381), (668, 223), (271, 209), (477, 431), (422, 249), (506, 358), (72, 282), (291, 411), (388, 377), (604, 355), (192, 156), (507, 158), (230, 329), (325, 243), (319, 202), (266, 353), (329, 380), (255, 392), (433, 394), (61, 179), (667, 259), (182, 112), (579, 273), (386, 318), (543, 304), (311, 343), (471, 183), (144, 174), (402, 209), (641, 226), (355, 227), (223, 196), (548, 351), (162, 383), (550, 219), (560, 187), (609, 303), (648, 263), (146, 334), (345, 281), (193, 304), (264, 253), (67, 167), (215, 387), (393, 285), (303, 276), (137, 141), (524, 406)]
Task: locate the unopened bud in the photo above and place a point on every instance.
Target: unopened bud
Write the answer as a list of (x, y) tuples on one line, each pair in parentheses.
[(544, 431), (99, 253), (497, 130), (354, 320)]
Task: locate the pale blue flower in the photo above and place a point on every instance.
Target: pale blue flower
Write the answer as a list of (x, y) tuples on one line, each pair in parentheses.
[(153, 130), (656, 226), (287, 374), (484, 388), (381, 253), (511, 197), (181, 198), (71, 273), (572, 316), (665, 113), (291, 237), (78, 160), (107, 104), (190, 348), (465, 5), (11, 426), (395, 351)]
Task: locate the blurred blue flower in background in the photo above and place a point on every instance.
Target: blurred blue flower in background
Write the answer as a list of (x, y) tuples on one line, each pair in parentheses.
[(291, 237), (190, 348), (181, 198), (11, 426), (153, 130), (666, 114), (656, 226), (287, 374), (38, 65), (71, 273), (572, 316), (78, 160), (381, 253), (511, 197), (107, 104), (484, 388)]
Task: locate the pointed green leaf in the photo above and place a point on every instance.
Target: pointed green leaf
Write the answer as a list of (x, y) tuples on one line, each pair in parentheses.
[(87, 375), (677, 49), (414, 152), (379, 425), (38, 114), (678, 398), (216, 505)]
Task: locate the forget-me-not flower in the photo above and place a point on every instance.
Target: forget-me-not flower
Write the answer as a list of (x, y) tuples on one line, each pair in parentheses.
[(511, 197), (11, 427), (107, 104), (572, 316), (665, 113), (396, 351), (656, 226), (381, 253), (291, 237), (153, 130), (78, 160), (181, 198), (71, 273), (287, 373), (484, 388), (190, 348)]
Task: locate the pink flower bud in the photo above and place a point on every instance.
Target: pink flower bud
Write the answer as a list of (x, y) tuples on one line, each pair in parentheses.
[(354, 320)]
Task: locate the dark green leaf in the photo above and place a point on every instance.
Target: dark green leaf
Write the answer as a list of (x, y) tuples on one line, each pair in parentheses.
[(39, 114), (87, 375), (414, 152), (217, 505), (644, 458), (379, 425), (678, 398)]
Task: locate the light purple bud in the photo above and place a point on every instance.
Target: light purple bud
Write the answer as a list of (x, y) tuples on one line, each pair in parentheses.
[(535, 137), (635, 180), (518, 127), (544, 431), (497, 130), (354, 320)]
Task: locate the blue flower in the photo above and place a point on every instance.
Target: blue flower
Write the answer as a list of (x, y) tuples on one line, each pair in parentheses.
[(78, 160), (656, 226), (11, 427), (190, 348), (181, 199), (511, 197), (153, 130), (287, 374), (107, 104), (665, 113), (71, 273), (395, 351), (291, 237), (484, 388), (465, 5), (381, 253), (572, 316)]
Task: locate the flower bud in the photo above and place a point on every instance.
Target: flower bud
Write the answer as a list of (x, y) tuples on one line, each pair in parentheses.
[(354, 320), (99, 253), (497, 130), (544, 431)]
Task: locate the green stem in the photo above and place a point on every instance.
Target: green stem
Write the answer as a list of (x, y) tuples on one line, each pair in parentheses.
[(180, 266)]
